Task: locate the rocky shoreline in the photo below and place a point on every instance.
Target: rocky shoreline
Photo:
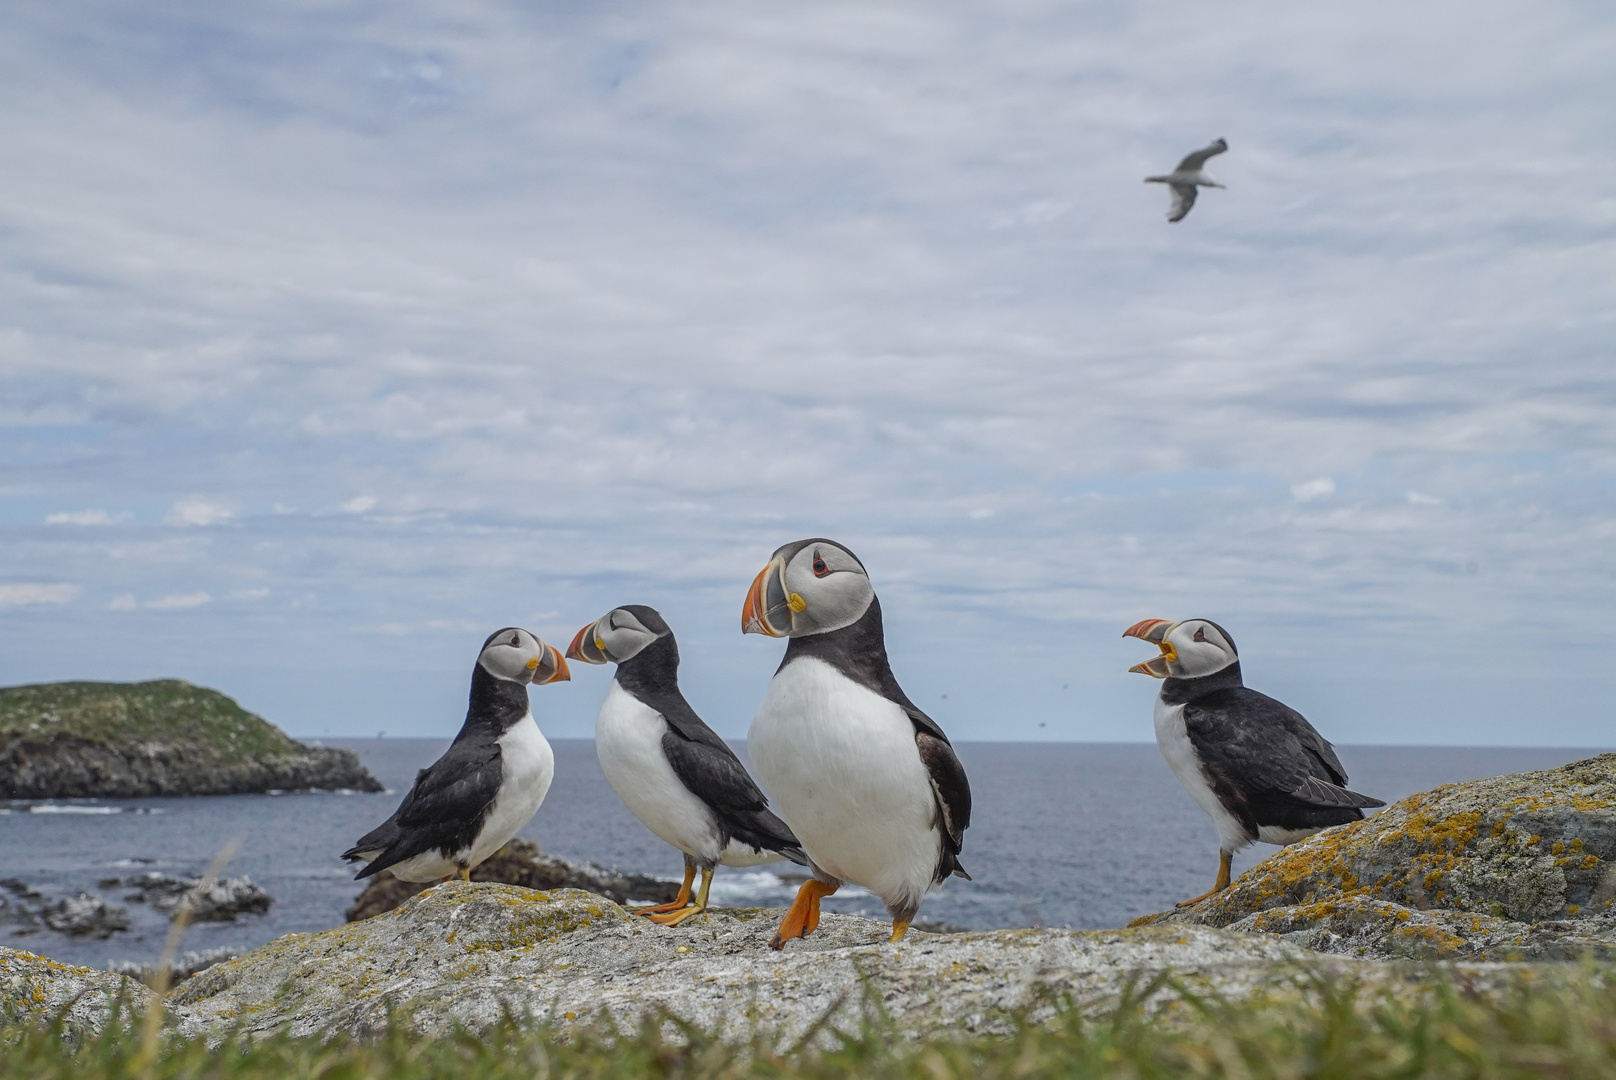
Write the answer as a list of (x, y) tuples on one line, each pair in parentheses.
[(520, 862), (1484, 879), (166, 737)]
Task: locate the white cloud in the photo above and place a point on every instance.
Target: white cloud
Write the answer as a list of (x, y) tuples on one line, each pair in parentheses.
[(123, 602), (855, 270), (83, 517), (249, 594), (1308, 490), (22, 594), (195, 510), (179, 601), (1416, 498), (359, 504)]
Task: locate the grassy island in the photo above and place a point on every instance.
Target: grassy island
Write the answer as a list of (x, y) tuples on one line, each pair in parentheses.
[(163, 737)]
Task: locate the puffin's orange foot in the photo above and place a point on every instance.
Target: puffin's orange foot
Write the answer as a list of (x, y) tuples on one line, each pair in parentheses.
[(900, 927), (802, 918), (1225, 861), (674, 918), (679, 902)]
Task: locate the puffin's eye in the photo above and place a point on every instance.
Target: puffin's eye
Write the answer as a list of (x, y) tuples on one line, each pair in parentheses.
[(516, 639), (820, 569), (1200, 633)]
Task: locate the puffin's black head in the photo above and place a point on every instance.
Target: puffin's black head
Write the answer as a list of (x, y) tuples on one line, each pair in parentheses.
[(620, 634), (1190, 649), (809, 587), (514, 655)]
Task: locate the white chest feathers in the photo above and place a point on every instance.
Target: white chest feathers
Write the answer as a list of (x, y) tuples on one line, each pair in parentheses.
[(527, 765), (841, 765), (628, 741), (1174, 742)]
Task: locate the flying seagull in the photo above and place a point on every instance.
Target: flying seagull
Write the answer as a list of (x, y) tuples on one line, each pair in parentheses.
[(1184, 179)]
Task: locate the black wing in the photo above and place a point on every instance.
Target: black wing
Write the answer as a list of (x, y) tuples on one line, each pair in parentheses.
[(949, 787), (1267, 756), (444, 809), (1183, 200), (1194, 161), (709, 769)]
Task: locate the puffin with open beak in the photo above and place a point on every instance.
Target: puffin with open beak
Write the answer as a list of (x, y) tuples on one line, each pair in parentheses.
[(673, 771), (490, 781), (1255, 765), (867, 781)]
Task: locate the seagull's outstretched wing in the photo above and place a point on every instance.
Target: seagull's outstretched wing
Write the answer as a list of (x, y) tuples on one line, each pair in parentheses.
[(1183, 199), (1193, 162)]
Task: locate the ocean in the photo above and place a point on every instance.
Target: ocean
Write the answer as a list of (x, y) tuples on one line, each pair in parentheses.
[(1086, 835)]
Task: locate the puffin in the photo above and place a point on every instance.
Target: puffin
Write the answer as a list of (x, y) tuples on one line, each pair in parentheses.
[(868, 782), (487, 785), (1255, 765), (670, 769)]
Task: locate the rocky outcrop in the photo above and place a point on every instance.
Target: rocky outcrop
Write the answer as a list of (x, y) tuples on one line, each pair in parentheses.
[(167, 737), (221, 901), (81, 915), (520, 862), (34, 990), (1514, 867), (473, 953)]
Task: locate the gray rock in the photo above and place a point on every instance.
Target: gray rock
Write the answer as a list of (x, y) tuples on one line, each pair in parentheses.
[(1509, 868), (84, 916), (34, 990), (221, 901), (473, 953), (183, 966)]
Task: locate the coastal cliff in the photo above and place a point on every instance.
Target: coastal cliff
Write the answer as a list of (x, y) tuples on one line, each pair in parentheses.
[(164, 737)]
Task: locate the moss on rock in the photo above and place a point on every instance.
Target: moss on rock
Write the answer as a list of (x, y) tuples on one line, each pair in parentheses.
[(1517, 866)]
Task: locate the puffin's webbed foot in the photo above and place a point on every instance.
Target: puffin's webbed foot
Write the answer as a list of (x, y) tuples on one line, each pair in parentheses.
[(802, 918), (1225, 861), (680, 901), (674, 918)]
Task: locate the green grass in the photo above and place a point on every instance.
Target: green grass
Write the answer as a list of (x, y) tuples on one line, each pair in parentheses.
[(1543, 1024), (127, 715)]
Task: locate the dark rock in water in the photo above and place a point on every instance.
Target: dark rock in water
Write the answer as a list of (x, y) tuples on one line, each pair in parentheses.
[(1509, 868), (166, 737), (84, 916), (520, 862), (220, 902), (183, 966), (79, 916)]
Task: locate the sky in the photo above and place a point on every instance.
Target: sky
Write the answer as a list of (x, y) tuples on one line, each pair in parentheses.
[(335, 336)]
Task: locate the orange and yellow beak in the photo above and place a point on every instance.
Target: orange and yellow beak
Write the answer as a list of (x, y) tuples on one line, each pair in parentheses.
[(1154, 631), (768, 604), (552, 669), (587, 646)]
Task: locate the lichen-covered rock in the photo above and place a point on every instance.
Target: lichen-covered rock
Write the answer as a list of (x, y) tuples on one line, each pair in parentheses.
[(520, 862), (474, 953), (1512, 867), (34, 990)]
